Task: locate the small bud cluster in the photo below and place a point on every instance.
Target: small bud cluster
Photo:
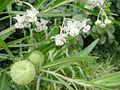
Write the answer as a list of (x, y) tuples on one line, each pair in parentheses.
[(103, 24), (100, 4)]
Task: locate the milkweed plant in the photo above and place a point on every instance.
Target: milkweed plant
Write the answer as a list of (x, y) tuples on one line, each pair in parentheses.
[(51, 45)]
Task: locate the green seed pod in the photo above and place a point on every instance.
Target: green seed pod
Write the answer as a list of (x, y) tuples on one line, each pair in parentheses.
[(108, 21), (36, 57), (22, 72), (98, 22), (103, 25)]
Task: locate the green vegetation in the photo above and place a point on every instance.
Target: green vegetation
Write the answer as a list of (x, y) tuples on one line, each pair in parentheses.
[(59, 44)]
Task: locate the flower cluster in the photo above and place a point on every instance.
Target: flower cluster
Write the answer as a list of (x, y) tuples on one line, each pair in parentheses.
[(100, 21), (60, 39), (24, 21), (20, 21), (30, 17), (95, 3), (42, 25), (100, 3), (72, 28)]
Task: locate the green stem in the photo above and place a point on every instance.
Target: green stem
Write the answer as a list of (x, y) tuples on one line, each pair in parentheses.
[(31, 39), (21, 54), (27, 87), (27, 4), (31, 35), (38, 84)]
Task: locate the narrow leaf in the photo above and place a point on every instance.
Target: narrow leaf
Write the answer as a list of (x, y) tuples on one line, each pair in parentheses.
[(7, 32), (45, 14), (39, 3), (4, 82), (58, 3), (3, 45), (110, 80), (88, 49), (67, 61), (3, 4)]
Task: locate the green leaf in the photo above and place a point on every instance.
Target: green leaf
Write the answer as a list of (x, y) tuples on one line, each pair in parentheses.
[(39, 3), (88, 49), (111, 80), (70, 80), (3, 4), (27, 45), (46, 14), (58, 3), (7, 32), (16, 41), (90, 11), (83, 8), (3, 45), (48, 5), (49, 80), (53, 14), (3, 18), (3, 56), (79, 17), (4, 82), (67, 61), (64, 83)]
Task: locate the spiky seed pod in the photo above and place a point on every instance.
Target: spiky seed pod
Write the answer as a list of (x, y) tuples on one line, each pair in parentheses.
[(36, 57), (22, 72)]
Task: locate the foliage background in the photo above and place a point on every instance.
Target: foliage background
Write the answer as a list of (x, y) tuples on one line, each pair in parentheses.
[(87, 71)]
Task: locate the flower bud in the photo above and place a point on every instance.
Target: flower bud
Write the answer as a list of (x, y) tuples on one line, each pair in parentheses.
[(98, 22), (22, 72), (86, 28), (103, 25), (36, 57), (108, 21)]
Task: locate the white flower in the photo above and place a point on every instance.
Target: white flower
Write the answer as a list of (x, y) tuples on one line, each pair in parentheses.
[(19, 25), (94, 3), (84, 22), (59, 39), (32, 14), (86, 28), (99, 2), (74, 32), (20, 21), (72, 27), (74, 23), (41, 25), (43, 21)]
